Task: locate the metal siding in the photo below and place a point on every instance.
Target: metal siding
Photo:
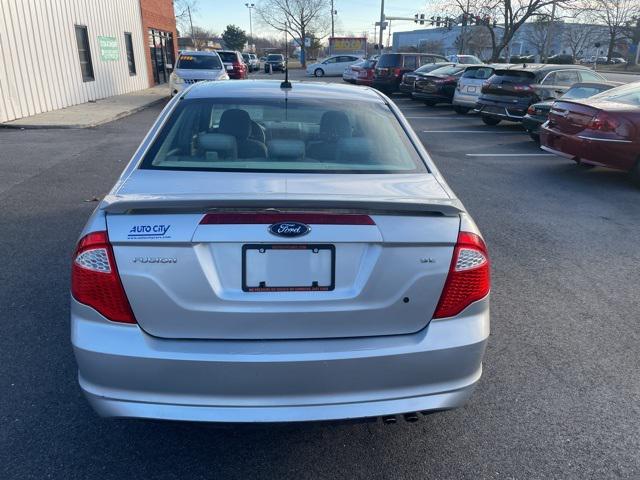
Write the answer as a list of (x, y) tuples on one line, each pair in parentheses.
[(39, 64)]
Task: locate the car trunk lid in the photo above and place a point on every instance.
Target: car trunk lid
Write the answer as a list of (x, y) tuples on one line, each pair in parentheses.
[(569, 117), (207, 265)]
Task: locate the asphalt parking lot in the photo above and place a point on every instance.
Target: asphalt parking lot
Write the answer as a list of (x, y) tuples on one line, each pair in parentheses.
[(560, 394)]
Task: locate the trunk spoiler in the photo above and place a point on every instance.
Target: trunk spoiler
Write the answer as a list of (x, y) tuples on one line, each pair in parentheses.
[(120, 204)]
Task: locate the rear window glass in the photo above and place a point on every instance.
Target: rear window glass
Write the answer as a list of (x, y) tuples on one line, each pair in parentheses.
[(629, 94), (583, 92), (313, 136), (274, 57), (199, 62), (430, 67), (514, 76), (480, 73), (389, 60), (228, 56), (450, 70)]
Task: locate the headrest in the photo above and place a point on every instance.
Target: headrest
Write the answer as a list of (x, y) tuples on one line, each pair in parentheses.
[(335, 124), (235, 122), (289, 149), (224, 145), (358, 148)]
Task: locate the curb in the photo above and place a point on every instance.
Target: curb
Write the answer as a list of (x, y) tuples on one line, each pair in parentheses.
[(79, 126)]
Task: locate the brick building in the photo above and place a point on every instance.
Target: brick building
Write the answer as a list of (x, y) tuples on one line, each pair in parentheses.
[(159, 24)]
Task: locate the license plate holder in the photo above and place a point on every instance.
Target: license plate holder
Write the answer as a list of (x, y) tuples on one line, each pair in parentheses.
[(288, 268)]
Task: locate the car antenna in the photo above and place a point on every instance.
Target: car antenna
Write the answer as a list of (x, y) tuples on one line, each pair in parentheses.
[(286, 83)]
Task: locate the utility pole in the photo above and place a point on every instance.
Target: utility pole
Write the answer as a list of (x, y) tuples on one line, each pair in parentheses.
[(547, 40), (332, 29), (250, 6), (191, 23), (381, 24), (465, 21), (389, 36)]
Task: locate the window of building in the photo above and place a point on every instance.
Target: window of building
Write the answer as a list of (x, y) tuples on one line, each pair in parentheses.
[(131, 61), (84, 53)]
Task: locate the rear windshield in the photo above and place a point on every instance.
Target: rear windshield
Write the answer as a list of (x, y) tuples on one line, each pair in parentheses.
[(583, 92), (199, 62), (257, 135), (369, 63), (431, 67), (228, 56), (629, 94), (479, 73), (273, 57), (449, 70), (390, 60), (513, 76)]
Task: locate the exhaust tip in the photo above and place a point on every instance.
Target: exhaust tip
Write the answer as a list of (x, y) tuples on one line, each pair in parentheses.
[(389, 419), (411, 417)]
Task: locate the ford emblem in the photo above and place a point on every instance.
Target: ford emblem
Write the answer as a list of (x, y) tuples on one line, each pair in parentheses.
[(289, 229)]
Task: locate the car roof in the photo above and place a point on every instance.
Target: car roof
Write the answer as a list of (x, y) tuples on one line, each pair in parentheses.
[(270, 89), (541, 67), (198, 52)]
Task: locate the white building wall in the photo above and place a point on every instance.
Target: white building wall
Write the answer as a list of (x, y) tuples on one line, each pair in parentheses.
[(39, 64)]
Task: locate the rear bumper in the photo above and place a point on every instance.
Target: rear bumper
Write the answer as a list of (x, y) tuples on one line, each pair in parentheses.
[(464, 99), (513, 113), (126, 373), (388, 84), (405, 88), (532, 124), (435, 96)]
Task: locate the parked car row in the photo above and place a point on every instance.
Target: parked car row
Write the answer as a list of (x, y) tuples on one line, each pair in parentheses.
[(570, 110)]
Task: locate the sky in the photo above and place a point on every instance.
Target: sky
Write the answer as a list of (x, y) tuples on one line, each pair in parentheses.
[(354, 16)]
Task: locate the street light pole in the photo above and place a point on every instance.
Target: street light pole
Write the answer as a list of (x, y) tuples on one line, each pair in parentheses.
[(250, 6), (381, 25)]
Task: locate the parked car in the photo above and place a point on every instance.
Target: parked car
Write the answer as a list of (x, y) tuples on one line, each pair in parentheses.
[(509, 91), (332, 66), (519, 59), (602, 130), (234, 63), (469, 86), (392, 66), (326, 273), (365, 74), (276, 61), (350, 73), (438, 86), (193, 67), (252, 62), (561, 59), (465, 59), (538, 112), (409, 79), (618, 60)]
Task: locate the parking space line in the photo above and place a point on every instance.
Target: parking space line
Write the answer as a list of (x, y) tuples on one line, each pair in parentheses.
[(472, 131), (509, 155), (439, 117)]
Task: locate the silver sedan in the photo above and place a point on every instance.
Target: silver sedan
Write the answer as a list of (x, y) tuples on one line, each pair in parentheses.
[(279, 253)]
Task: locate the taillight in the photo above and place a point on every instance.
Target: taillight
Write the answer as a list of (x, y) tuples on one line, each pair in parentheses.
[(397, 72), (443, 80), (521, 87), (315, 218), (469, 276), (95, 280), (238, 66), (603, 123), (531, 110)]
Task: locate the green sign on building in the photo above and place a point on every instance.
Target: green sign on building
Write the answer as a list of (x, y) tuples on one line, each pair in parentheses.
[(108, 49)]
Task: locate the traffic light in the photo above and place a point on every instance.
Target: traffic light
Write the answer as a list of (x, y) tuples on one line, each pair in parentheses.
[(433, 21), (438, 21), (415, 18), (464, 19), (422, 19)]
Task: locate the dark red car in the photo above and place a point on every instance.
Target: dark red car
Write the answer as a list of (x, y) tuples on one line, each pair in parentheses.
[(602, 130), (366, 72), (234, 64)]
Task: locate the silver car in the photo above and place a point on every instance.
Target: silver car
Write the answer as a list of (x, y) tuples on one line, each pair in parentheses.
[(469, 87), (193, 67), (267, 256)]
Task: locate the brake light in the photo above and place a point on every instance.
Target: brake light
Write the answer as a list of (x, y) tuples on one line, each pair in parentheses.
[(603, 123), (469, 276), (443, 80), (531, 110), (397, 72), (520, 87), (320, 218), (95, 280), (238, 66)]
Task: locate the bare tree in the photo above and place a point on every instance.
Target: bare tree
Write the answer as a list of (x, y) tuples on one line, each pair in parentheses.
[(508, 15), (184, 11), (431, 46), (201, 37), (580, 36), (540, 31), (616, 15), (298, 17), (476, 41)]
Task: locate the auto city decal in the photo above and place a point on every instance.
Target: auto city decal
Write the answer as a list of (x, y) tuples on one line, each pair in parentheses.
[(149, 231)]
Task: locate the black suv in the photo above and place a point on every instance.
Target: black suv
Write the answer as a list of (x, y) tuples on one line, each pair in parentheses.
[(507, 94), (392, 66), (276, 60)]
